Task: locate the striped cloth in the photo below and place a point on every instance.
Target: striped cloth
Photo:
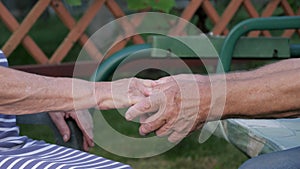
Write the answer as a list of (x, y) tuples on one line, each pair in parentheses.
[(22, 152)]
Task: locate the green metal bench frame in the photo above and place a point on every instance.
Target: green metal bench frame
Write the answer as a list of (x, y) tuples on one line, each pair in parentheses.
[(271, 23), (107, 67)]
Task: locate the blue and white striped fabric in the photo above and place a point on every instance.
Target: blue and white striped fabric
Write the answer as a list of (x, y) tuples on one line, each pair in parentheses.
[(22, 152)]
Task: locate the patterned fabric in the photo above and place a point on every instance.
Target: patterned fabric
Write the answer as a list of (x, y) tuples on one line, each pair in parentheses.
[(9, 132), (255, 137), (22, 152), (42, 155)]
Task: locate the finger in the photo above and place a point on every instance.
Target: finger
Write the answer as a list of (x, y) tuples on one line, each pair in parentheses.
[(85, 123), (143, 118), (167, 129), (67, 115), (59, 121), (162, 87), (152, 123), (182, 126), (64, 130), (146, 105), (164, 80), (148, 83), (149, 127), (85, 144), (147, 91), (145, 86), (89, 141), (165, 133)]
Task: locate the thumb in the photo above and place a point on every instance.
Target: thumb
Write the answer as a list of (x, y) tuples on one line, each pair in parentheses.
[(59, 120)]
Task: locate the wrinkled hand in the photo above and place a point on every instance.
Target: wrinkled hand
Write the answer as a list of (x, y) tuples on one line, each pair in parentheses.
[(83, 120), (124, 93), (173, 109)]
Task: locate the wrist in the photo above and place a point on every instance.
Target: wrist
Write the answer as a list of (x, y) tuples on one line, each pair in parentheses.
[(84, 94), (213, 103), (234, 98), (230, 96), (219, 96), (103, 95)]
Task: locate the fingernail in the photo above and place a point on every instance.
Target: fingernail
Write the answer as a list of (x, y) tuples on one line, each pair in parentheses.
[(145, 128), (141, 131), (65, 137)]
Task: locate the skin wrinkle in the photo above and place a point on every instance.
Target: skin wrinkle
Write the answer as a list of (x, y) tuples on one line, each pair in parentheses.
[(272, 91), (55, 94), (267, 93), (25, 93), (20, 82), (32, 104)]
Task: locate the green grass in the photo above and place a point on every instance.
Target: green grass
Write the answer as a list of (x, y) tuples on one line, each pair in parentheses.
[(213, 154)]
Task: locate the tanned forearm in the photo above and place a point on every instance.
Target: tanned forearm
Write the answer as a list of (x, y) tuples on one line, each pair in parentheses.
[(24, 93), (284, 65), (272, 91), (273, 95)]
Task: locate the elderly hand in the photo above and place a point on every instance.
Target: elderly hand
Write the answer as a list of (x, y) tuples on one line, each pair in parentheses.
[(83, 120), (123, 93), (174, 107)]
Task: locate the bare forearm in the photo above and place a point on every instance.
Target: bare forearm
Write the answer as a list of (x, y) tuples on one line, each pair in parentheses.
[(23, 93), (269, 92), (272, 91), (284, 65), (274, 95)]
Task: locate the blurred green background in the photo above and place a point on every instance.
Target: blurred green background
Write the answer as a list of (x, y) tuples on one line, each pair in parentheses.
[(215, 153)]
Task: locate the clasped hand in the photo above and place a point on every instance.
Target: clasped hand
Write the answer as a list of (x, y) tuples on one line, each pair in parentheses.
[(170, 106), (173, 108)]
